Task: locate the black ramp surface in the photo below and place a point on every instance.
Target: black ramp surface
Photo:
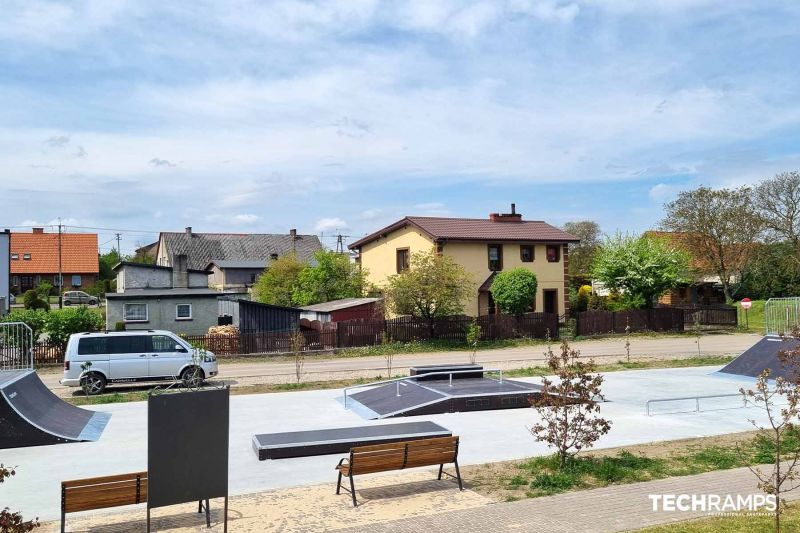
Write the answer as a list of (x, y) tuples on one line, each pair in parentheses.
[(384, 399), (760, 356), (32, 415), (469, 387), (340, 440)]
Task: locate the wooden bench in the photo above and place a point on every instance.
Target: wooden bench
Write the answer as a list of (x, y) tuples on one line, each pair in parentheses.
[(108, 491), (399, 456)]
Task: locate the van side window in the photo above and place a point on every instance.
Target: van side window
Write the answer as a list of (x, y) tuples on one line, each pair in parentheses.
[(162, 343), (129, 344), (93, 346)]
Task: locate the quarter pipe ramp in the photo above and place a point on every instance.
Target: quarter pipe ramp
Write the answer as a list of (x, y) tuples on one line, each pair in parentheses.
[(763, 355), (31, 415)]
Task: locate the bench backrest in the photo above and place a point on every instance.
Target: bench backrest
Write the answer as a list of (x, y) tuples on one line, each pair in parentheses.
[(400, 455), (101, 492)]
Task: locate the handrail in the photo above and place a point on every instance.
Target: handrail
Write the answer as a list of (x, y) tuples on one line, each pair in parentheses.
[(407, 378), (695, 398)]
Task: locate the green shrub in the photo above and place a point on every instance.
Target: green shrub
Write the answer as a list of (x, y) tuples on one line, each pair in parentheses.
[(36, 319), (555, 482), (64, 322), (119, 326), (32, 300), (514, 290), (44, 290)]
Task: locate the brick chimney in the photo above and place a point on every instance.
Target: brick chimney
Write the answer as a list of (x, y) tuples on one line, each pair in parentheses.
[(38, 230), (293, 233), (189, 231), (180, 276), (513, 216)]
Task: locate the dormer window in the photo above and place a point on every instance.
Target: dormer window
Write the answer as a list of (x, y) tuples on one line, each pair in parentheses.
[(26, 257), (15, 257)]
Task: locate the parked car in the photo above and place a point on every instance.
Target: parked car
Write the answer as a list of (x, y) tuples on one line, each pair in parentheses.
[(133, 356), (12, 299), (79, 298)]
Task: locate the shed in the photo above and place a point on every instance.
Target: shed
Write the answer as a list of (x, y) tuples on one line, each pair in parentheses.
[(252, 317), (344, 309)]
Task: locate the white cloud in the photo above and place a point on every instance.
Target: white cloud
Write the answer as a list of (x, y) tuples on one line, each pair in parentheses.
[(662, 192), (330, 224), (246, 219)]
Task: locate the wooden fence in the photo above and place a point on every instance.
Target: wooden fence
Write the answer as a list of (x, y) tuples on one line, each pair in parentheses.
[(604, 322), (711, 315)]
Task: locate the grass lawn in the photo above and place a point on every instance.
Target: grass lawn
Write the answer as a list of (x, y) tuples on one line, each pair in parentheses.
[(541, 476), (790, 521), (755, 316)]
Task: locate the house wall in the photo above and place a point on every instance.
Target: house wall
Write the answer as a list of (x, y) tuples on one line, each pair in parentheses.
[(5, 271), (20, 285), (216, 280), (379, 257), (474, 257), (161, 314), (144, 277)]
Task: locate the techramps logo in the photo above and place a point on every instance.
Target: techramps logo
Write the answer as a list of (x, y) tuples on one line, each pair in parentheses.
[(715, 504)]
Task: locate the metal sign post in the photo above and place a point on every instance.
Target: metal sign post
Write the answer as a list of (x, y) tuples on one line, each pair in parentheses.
[(746, 304)]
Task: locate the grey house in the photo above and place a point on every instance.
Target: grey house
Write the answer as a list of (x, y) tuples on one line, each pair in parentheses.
[(159, 297), (235, 259)]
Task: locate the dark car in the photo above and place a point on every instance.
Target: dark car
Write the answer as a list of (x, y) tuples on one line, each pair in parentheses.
[(79, 298)]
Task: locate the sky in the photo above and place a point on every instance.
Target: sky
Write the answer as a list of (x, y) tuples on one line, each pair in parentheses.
[(346, 115)]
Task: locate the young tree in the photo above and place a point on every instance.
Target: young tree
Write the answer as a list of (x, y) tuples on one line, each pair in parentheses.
[(278, 283), (514, 290), (332, 277), (782, 426), (434, 286), (643, 268), (718, 227), (296, 342), (778, 203), (569, 406), (581, 254), (473, 337)]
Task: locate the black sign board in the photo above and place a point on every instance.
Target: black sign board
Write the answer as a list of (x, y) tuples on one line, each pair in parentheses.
[(187, 446)]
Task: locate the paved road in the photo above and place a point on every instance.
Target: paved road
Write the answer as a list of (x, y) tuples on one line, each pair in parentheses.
[(610, 509), (603, 350)]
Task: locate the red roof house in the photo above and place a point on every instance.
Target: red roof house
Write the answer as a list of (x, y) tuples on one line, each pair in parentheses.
[(35, 257)]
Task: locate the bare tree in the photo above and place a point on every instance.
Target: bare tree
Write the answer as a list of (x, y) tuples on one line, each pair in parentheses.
[(718, 227), (778, 202), (296, 342), (781, 427), (569, 406)]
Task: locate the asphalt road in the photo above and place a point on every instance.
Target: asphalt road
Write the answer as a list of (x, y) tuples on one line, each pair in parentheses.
[(603, 350)]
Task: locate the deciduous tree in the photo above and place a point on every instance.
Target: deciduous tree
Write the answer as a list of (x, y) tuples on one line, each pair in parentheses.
[(719, 227), (643, 268), (568, 405), (276, 286), (581, 254), (331, 276), (778, 203)]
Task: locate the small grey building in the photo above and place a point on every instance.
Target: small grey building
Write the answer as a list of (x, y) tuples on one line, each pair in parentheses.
[(5, 271), (159, 297)]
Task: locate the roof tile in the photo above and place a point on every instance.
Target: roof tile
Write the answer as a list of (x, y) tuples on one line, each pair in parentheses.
[(78, 253)]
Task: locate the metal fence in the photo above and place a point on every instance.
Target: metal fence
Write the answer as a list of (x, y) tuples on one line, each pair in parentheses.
[(781, 315), (709, 315), (16, 346)]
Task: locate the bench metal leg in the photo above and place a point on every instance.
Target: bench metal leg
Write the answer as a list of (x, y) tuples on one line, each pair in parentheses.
[(148, 519), (339, 483), (458, 475), (353, 491), (225, 516), (63, 521), (208, 514), (441, 467)]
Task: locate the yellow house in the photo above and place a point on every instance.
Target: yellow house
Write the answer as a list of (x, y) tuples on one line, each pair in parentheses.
[(483, 247)]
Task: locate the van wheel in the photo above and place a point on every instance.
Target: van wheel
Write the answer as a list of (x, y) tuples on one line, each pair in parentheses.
[(93, 383), (193, 376)]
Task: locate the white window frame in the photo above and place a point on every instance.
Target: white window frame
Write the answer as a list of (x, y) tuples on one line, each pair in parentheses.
[(177, 315), (135, 320), (26, 257)]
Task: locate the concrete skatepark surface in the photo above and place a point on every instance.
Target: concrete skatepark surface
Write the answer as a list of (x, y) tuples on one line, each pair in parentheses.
[(485, 436)]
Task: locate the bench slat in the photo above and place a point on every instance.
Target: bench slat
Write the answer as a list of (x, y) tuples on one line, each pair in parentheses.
[(100, 480)]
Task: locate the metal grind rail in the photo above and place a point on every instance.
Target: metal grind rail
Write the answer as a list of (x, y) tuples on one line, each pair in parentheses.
[(695, 398), (449, 373)]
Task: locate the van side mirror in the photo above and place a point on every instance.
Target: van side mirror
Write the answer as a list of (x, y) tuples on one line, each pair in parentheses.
[(180, 348)]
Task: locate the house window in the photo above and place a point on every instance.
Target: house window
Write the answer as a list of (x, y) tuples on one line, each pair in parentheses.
[(15, 257), (526, 253), (26, 257), (76, 281), (402, 259), (553, 253), (183, 312), (495, 257), (134, 313)]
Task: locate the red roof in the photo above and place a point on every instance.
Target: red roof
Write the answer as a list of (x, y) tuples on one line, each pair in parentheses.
[(476, 229), (78, 253)]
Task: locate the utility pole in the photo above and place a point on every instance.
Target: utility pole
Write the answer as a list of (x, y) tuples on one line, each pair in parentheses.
[(60, 273), (119, 250), (339, 244)]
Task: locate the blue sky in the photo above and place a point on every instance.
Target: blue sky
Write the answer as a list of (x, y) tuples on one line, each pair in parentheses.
[(347, 115)]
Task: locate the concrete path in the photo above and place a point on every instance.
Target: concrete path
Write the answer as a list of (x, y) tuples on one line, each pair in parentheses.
[(616, 508), (603, 350)]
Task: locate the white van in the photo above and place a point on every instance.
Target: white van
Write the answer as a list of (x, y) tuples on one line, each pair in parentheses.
[(132, 356)]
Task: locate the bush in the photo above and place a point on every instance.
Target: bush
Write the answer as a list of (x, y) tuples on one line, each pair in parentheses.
[(514, 290), (32, 300), (64, 322), (119, 325), (44, 290), (36, 319)]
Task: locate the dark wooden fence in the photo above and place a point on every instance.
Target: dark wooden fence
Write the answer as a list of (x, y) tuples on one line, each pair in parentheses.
[(709, 315), (604, 322)]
